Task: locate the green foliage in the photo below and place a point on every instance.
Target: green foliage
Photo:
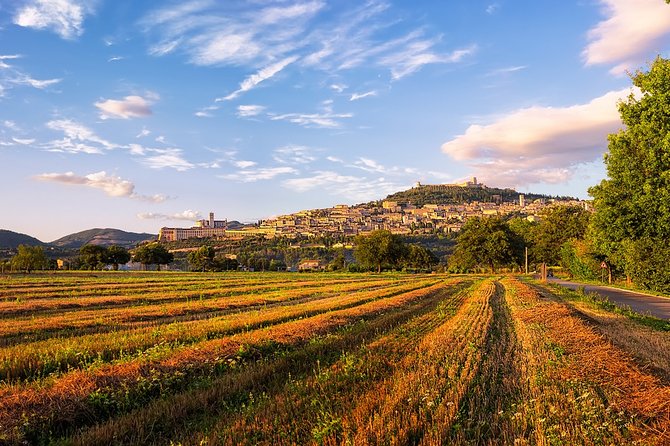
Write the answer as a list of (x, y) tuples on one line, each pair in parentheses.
[(117, 255), (153, 254), (29, 258), (93, 256), (446, 194), (577, 259), (379, 248), (484, 242), (647, 262), (202, 259), (633, 203), (558, 225), (420, 257)]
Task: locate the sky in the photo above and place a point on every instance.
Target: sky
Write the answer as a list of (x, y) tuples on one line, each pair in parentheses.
[(139, 114)]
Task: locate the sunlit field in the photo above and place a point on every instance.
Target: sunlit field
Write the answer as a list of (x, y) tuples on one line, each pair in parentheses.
[(350, 359)]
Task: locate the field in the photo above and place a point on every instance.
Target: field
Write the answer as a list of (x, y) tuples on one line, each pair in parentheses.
[(332, 359)]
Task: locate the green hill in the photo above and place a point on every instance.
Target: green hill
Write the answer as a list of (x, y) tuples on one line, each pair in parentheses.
[(105, 237), (11, 239), (450, 194)]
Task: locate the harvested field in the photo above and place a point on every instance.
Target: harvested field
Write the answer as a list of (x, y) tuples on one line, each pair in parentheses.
[(252, 358)]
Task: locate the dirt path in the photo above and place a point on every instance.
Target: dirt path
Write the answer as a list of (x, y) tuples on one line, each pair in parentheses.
[(639, 302)]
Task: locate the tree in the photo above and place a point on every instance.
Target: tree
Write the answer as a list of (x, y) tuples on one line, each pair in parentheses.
[(117, 255), (379, 248), (93, 256), (420, 257), (202, 259), (29, 258), (484, 241), (558, 225), (153, 254), (632, 205)]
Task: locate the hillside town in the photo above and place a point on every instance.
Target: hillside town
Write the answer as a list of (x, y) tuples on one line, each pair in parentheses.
[(399, 217)]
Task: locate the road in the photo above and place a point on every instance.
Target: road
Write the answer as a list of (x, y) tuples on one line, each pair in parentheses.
[(639, 302)]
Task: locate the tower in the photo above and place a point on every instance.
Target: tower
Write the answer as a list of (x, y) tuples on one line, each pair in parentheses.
[(211, 219)]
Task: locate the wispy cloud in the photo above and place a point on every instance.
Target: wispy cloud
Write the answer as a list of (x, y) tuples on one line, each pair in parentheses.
[(632, 32), (259, 174), (115, 58), (187, 215), (64, 17), (357, 96), (167, 159), (247, 111), (517, 147), (506, 70), (112, 185), (338, 87), (262, 75), (348, 186), (11, 76), (126, 108), (419, 53), (492, 8), (77, 138), (23, 141), (316, 120), (294, 155)]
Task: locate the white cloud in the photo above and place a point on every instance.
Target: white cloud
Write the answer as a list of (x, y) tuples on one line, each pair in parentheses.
[(246, 111), (112, 185), (633, 31), (262, 75), (115, 58), (203, 114), (538, 142), (263, 173), (351, 187), (492, 8), (319, 120), (242, 164), (78, 138), (294, 155), (64, 17), (35, 83), (338, 87), (24, 142), (357, 96), (187, 215), (126, 108), (419, 53), (167, 158), (144, 132), (506, 70), (11, 125)]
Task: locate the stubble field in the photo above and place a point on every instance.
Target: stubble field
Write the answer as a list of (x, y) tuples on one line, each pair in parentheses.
[(333, 359)]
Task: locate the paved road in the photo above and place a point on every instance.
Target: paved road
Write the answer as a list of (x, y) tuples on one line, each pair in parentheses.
[(639, 302)]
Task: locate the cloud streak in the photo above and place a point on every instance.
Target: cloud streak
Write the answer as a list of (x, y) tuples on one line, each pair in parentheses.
[(187, 215), (262, 75)]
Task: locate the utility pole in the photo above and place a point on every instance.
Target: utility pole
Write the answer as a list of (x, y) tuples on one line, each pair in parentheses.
[(526, 249)]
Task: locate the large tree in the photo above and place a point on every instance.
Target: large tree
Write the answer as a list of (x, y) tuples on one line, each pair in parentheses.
[(153, 254), (117, 255), (379, 248), (29, 258), (632, 218), (484, 242), (202, 259)]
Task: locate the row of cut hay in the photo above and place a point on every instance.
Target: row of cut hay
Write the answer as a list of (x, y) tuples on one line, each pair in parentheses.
[(312, 409), (19, 305), (588, 390), (352, 358), (420, 401), (168, 309), (38, 359), (69, 399)]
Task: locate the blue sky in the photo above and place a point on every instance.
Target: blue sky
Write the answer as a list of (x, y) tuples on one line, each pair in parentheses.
[(141, 114)]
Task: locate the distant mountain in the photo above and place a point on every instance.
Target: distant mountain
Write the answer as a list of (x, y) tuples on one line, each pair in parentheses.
[(11, 239), (452, 194), (105, 237)]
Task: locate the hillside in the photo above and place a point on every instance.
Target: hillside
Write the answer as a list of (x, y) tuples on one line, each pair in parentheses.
[(106, 237), (449, 194), (11, 239)]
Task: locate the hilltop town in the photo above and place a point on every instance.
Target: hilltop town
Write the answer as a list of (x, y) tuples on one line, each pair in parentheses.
[(401, 213)]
